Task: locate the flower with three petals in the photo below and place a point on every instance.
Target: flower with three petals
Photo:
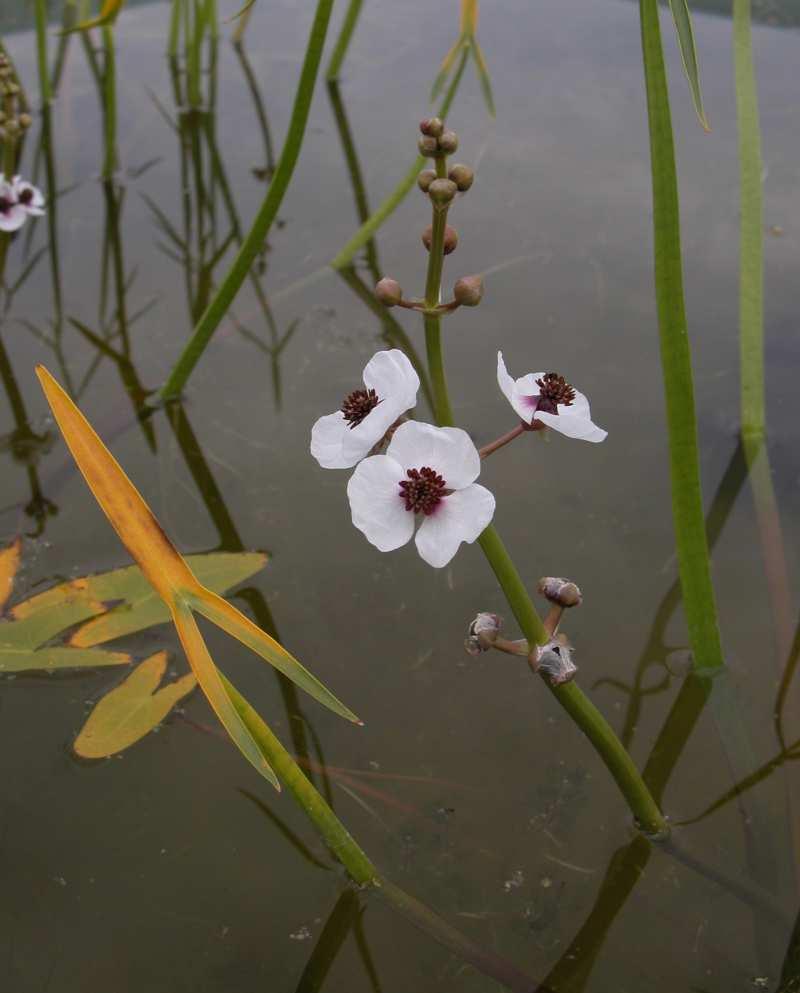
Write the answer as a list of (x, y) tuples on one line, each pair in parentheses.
[(28, 196), (342, 439), (548, 399), (427, 474)]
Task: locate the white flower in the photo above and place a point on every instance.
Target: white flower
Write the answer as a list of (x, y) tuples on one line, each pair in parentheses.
[(28, 196), (12, 214), (429, 471), (340, 440), (549, 399)]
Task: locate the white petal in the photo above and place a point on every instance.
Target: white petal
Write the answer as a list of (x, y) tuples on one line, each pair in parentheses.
[(375, 502), (12, 219), (326, 442), (572, 425), (358, 441), (390, 374), (461, 516), (521, 404), (450, 451)]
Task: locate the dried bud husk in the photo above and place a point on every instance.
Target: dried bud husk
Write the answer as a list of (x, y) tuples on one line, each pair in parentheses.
[(468, 291), (555, 660), (432, 126), (448, 142), (425, 178), (442, 191), (482, 632), (388, 292), (462, 176), (560, 591), (428, 146), (450, 238)]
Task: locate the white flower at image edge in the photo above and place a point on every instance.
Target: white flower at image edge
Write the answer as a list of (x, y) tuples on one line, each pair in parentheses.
[(549, 399), (340, 440), (429, 472), (12, 213)]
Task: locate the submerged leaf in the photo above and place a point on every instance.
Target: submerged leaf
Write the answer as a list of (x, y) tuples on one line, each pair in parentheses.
[(14, 659), (131, 710), (9, 564), (683, 28)]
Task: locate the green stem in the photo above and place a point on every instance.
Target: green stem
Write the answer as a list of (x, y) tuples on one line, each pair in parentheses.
[(687, 500), (343, 41), (174, 29), (109, 103), (45, 90), (254, 241), (395, 198)]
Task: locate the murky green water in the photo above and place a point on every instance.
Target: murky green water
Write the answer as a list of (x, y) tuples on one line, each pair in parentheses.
[(174, 868)]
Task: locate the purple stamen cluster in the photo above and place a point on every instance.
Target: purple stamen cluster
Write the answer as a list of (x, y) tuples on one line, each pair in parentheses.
[(26, 196), (357, 405), (554, 390), (5, 205), (422, 491)]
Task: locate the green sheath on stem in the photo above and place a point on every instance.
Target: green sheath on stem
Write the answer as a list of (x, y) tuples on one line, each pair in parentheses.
[(254, 241), (687, 501)]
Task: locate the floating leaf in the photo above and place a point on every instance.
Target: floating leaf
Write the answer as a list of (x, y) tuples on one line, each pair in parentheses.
[(132, 709), (9, 563), (108, 14), (683, 28), (172, 577)]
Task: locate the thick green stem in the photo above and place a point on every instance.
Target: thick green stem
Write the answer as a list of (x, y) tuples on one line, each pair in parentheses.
[(343, 41), (676, 362), (396, 197), (45, 89), (254, 241)]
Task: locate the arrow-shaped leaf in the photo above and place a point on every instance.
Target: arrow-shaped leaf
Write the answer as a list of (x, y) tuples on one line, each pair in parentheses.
[(131, 709), (171, 576)]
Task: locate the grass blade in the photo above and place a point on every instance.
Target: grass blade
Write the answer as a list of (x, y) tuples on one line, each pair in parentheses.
[(683, 28)]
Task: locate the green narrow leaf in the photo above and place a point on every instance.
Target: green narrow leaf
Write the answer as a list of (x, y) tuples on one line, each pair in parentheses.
[(483, 75), (52, 659), (683, 28)]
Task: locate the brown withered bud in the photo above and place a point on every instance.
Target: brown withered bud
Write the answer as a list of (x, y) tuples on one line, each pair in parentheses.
[(468, 291), (425, 178), (462, 176), (448, 142), (560, 591), (450, 238), (388, 292), (428, 146), (25, 121), (431, 126), (442, 191), (555, 660), (482, 633)]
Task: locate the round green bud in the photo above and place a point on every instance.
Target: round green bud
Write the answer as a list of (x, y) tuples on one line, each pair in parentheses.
[(388, 292), (462, 176), (450, 238), (428, 146), (425, 178), (431, 126), (468, 291), (442, 191), (448, 142)]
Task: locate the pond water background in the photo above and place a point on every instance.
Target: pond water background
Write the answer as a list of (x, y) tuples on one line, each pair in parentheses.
[(165, 870)]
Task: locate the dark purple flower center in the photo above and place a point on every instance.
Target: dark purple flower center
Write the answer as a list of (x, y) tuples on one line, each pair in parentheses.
[(358, 404), (553, 390), (5, 205), (423, 490), (26, 196)]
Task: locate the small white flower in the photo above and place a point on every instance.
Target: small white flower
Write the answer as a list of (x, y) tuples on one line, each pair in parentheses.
[(12, 213), (429, 471), (28, 196), (549, 399), (340, 440)]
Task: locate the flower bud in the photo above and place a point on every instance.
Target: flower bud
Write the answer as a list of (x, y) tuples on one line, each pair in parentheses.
[(450, 238), (428, 146), (388, 292), (442, 191), (431, 126), (25, 121), (482, 632), (555, 660), (425, 178), (468, 291), (462, 176), (448, 142), (560, 591)]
